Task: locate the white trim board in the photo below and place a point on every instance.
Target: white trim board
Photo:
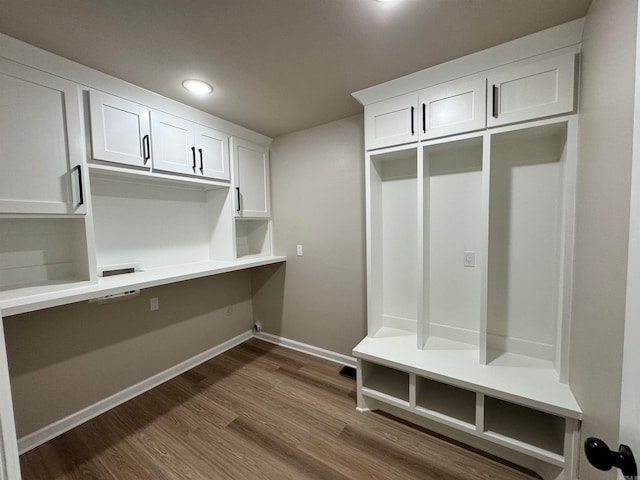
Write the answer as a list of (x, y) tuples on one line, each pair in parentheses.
[(565, 36), (308, 349), (33, 440)]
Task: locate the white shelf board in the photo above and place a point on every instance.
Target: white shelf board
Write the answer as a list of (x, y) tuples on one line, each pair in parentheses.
[(523, 447), (534, 385), (385, 397), (23, 300), (446, 419), (529, 429), (109, 171)]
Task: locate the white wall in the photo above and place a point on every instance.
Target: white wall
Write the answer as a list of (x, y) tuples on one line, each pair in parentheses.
[(317, 189), (602, 219)]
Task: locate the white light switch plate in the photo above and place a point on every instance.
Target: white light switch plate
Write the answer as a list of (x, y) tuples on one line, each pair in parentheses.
[(469, 259)]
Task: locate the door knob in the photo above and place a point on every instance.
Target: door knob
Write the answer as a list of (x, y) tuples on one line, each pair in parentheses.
[(602, 458)]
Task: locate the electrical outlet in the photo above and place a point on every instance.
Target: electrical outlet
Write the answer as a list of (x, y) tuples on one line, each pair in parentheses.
[(469, 259), (299, 250), (154, 304)]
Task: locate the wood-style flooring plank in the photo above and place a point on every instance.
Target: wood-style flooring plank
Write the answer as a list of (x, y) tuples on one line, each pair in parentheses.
[(258, 411)]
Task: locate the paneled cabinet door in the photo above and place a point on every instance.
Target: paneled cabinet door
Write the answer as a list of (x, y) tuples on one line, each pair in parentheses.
[(540, 89), (213, 152), (41, 146), (391, 122), (173, 146), (119, 130), (452, 108), (250, 179)]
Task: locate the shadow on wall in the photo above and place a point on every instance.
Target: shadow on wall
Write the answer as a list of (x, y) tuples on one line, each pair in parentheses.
[(267, 289)]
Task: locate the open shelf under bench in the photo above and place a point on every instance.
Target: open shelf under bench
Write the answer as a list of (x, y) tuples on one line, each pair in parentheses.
[(515, 403)]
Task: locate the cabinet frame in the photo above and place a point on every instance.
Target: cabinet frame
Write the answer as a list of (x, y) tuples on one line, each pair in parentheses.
[(73, 172), (139, 154), (392, 122), (525, 90), (473, 91), (444, 357), (192, 157), (560, 70), (254, 200)]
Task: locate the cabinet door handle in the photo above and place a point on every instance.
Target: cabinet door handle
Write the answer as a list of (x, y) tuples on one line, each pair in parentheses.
[(201, 162), (193, 151), (238, 199), (495, 101), (413, 129), (80, 191), (146, 148), (424, 118)]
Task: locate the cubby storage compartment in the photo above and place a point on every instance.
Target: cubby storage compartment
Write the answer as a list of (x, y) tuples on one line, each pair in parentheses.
[(157, 224), (452, 241), (446, 402), (253, 238), (388, 383), (530, 241), (392, 242), (42, 251), (525, 428)]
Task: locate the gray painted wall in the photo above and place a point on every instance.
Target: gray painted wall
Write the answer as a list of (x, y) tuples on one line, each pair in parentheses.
[(64, 359), (602, 219), (317, 189)]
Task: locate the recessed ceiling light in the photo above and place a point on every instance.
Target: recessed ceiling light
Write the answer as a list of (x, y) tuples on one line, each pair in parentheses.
[(197, 86)]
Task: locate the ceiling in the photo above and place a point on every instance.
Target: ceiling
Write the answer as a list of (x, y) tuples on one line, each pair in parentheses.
[(277, 66)]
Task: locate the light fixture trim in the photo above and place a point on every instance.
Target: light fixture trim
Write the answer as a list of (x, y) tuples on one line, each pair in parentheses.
[(198, 87)]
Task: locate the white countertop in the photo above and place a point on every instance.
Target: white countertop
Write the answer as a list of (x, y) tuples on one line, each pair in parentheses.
[(27, 299)]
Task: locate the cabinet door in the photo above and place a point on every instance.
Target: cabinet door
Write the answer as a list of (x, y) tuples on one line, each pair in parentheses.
[(250, 179), (213, 153), (173, 147), (41, 156), (530, 91), (391, 122), (119, 130), (452, 108)]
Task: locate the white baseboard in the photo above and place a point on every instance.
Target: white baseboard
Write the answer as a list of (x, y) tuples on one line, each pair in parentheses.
[(32, 440), (309, 349), (45, 434)]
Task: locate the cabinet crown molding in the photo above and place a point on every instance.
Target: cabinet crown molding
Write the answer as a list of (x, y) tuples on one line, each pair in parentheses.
[(567, 36)]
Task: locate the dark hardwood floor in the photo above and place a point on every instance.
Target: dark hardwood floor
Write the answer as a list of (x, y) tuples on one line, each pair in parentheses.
[(257, 411)]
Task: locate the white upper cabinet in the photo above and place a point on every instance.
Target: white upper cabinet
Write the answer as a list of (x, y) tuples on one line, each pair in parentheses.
[(534, 90), (452, 108), (250, 179), (181, 146), (516, 93), (173, 147), (446, 109), (213, 152), (392, 122), (41, 153), (119, 130)]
